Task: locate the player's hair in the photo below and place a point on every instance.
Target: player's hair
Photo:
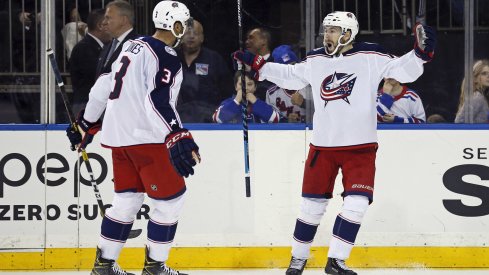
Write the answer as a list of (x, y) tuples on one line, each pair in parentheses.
[(125, 9), (94, 18), (477, 87)]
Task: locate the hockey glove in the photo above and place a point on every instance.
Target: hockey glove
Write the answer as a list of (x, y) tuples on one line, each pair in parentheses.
[(184, 153), (74, 136), (90, 129), (254, 61), (425, 43)]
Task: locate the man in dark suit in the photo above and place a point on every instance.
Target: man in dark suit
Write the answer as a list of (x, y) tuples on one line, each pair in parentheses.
[(84, 58), (119, 21), (259, 42)]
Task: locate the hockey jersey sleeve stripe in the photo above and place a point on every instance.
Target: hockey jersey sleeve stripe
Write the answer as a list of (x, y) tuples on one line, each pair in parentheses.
[(162, 94)]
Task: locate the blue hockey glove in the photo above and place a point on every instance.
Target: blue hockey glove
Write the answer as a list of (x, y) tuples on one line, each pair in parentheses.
[(254, 61), (425, 43), (90, 129), (184, 153), (74, 136)]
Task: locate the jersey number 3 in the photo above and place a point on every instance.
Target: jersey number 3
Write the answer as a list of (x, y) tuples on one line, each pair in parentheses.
[(118, 78)]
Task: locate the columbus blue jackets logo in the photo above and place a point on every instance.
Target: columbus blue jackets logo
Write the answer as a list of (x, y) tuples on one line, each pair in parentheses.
[(337, 86)]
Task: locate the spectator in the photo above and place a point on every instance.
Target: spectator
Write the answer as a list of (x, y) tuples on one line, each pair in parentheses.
[(397, 103), (83, 61), (73, 32), (436, 118), (206, 78), (290, 103), (25, 35), (259, 42), (476, 108), (119, 20), (258, 111)]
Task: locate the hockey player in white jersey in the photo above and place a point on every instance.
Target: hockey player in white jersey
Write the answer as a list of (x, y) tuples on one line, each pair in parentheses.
[(344, 77), (151, 151)]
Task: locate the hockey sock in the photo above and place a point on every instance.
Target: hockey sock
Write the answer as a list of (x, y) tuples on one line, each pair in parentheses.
[(160, 239), (117, 223), (162, 227), (312, 210), (346, 226), (113, 237)]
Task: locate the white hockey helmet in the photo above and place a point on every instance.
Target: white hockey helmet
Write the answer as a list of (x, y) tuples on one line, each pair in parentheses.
[(346, 21), (167, 13)]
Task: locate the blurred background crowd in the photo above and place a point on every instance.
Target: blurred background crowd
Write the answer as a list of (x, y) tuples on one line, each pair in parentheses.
[(86, 35)]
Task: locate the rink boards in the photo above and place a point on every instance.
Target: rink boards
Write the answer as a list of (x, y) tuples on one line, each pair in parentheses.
[(431, 201)]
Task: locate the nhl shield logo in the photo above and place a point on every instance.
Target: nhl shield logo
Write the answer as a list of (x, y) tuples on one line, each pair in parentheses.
[(337, 86)]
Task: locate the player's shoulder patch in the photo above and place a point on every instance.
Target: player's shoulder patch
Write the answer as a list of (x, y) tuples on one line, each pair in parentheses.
[(170, 50)]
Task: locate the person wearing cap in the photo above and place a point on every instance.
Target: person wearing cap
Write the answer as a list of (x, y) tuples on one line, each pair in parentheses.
[(291, 103)]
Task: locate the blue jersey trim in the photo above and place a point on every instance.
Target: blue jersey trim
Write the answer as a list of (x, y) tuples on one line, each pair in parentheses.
[(263, 126)]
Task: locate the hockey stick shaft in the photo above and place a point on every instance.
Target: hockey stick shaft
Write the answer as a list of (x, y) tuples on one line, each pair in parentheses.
[(71, 116), (244, 104), (421, 16)]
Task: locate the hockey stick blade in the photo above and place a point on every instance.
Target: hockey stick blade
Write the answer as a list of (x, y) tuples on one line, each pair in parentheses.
[(59, 81), (134, 233)]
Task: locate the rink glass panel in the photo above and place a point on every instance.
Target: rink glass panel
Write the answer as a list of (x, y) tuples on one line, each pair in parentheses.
[(297, 23)]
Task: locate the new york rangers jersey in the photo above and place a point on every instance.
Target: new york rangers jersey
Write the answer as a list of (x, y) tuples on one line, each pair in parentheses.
[(230, 112), (282, 100), (407, 106), (139, 95), (344, 90)]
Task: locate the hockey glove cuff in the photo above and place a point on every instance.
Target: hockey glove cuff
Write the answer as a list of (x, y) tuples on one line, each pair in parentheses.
[(90, 129), (254, 61), (425, 43), (184, 152)]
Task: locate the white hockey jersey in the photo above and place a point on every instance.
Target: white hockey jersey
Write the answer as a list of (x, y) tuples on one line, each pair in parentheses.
[(344, 89), (139, 95)]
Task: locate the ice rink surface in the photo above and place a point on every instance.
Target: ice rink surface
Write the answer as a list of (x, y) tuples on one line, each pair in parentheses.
[(370, 271)]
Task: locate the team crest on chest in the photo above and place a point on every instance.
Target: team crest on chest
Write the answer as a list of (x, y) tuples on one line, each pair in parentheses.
[(337, 86)]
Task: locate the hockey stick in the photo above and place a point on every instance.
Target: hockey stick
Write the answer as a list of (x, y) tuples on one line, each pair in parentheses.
[(421, 16), (133, 233), (244, 106)]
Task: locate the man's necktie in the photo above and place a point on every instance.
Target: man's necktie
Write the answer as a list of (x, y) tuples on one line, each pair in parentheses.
[(112, 49)]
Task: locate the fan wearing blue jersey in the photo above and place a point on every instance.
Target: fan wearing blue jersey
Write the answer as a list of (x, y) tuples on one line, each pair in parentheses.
[(151, 151), (396, 103), (344, 78), (229, 111)]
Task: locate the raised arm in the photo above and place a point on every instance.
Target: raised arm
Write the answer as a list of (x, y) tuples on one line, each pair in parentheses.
[(292, 77), (409, 67)]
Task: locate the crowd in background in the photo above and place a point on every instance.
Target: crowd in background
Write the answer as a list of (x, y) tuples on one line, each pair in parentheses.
[(210, 92)]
